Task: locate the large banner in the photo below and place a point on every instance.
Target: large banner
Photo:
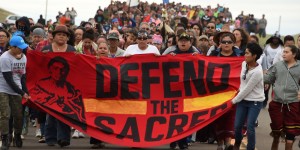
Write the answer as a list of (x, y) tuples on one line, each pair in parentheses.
[(137, 101)]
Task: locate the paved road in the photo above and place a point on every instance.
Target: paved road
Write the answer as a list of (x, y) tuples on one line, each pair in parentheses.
[(262, 132)]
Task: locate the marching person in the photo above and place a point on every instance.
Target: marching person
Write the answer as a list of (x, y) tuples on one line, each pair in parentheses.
[(57, 132), (284, 109), (184, 46), (12, 89), (224, 126), (250, 98)]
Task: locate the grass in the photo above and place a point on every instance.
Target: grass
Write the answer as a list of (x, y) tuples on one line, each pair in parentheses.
[(4, 14), (262, 41)]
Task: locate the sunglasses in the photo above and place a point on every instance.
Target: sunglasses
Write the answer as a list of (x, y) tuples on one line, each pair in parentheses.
[(142, 38), (210, 27), (145, 29), (226, 42)]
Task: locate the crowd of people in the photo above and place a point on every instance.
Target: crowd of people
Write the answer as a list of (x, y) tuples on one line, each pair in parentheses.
[(169, 29)]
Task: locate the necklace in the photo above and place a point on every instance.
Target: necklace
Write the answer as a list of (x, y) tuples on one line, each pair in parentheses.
[(59, 48)]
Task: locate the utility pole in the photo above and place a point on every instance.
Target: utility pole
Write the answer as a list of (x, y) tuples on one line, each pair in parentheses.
[(129, 7), (279, 24), (46, 11)]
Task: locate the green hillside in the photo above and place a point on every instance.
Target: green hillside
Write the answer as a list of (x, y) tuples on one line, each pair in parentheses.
[(4, 14), (262, 41)]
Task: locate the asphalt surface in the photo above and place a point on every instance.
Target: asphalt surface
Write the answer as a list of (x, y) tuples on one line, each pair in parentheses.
[(263, 140)]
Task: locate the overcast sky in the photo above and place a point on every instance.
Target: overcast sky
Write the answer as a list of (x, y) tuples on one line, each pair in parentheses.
[(273, 9)]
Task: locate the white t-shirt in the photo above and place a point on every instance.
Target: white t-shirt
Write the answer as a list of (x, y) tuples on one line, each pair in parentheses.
[(134, 49), (270, 54), (9, 63), (278, 57)]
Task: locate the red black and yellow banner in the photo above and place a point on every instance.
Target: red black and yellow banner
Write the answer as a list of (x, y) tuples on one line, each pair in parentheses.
[(137, 101)]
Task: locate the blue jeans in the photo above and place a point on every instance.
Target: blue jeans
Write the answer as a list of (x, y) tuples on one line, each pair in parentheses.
[(56, 130), (246, 110)]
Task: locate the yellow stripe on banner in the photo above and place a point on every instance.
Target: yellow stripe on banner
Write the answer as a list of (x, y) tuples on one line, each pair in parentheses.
[(292, 127), (206, 102), (115, 106)]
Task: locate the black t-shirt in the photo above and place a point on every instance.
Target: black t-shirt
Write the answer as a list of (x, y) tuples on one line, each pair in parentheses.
[(178, 51), (232, 55), (70, 48)]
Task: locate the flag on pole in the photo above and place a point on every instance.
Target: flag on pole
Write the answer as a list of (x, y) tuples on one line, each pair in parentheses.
[(147, 18), (133, 3), (165, 1)]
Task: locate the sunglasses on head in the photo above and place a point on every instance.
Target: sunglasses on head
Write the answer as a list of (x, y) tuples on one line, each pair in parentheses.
[(226, 42)]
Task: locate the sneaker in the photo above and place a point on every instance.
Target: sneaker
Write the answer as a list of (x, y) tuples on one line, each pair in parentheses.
[(51, 144), (80, 134), (22, 137), (63, 143), (42, 139), (5, 142), (18, 140), (38, 133), (256, 123), (75, 134), (98, 146)]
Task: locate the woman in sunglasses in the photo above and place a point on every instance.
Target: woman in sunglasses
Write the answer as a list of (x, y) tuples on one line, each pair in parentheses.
[(224, 126), (250, 98), (226, 41)]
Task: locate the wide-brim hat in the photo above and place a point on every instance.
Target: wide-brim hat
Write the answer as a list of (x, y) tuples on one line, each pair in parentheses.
[(274, 37), (85, 23), (61, 29), (218, 36)]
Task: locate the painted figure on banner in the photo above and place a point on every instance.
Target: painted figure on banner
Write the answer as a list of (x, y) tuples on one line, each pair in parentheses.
[(62, 96)]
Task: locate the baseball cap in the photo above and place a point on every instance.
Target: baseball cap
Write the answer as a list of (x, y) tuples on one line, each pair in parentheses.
[(142, 33), (18, 42), (113, 35), (184, 35), (203, 37), (115, 20)]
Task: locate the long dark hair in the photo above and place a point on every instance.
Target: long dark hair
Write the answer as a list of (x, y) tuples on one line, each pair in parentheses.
[(71, 40), (294, 50), (245, 37)]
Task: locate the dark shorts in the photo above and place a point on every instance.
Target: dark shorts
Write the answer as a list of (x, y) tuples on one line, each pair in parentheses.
[(285, 117)]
